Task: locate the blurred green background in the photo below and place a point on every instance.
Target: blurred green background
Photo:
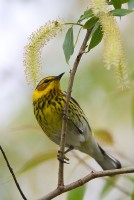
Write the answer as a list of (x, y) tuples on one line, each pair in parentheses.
[(110, 111)]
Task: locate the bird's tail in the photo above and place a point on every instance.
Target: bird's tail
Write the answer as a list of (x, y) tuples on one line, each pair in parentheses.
[(108, 162), (105, 160)]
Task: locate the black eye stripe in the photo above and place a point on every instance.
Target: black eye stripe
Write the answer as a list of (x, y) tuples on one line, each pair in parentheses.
[(46, 81)]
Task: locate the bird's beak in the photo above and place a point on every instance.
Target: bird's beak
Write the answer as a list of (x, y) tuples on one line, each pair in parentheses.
[(59, 76)]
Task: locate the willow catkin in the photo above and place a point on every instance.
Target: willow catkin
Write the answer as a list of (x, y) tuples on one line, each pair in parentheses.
[(32, 52)]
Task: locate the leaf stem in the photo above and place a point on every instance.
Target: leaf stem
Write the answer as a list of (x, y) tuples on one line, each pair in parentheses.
[(77, 37), (69, 23)]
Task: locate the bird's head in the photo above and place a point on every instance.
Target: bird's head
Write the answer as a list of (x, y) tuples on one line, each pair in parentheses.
[(45, 85)]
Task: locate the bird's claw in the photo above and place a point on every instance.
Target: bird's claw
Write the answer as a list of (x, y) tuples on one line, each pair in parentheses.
[(63, 159), (64, 114)]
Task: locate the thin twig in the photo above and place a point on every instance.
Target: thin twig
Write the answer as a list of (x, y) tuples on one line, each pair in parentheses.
[(65, 112), (12, 173), (79, 24), (89, 177), (120, 188)]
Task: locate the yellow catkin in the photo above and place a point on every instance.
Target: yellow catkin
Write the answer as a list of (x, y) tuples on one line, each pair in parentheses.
[(113, 51), (98, 6), (32, 51)]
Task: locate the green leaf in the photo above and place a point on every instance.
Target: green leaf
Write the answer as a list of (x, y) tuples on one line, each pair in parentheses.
[(77, 193), (108, 186), (90, 23), (132, 195), (87, 14), (130, 178), (38, 159), (116, 3), (131, 4), (104, 136), (68, 45), (122, 2), (96, 37), (132, 110), (121, 12)]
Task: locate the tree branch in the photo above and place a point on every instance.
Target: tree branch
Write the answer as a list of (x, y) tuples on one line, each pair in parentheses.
[(120, 188), (65, 112), (86, 179), (12, 173)]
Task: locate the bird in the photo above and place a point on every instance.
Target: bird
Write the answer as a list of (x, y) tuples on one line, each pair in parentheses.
[(48, 103)]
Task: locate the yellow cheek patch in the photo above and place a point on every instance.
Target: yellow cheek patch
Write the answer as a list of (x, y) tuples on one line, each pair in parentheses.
[(38, 94)]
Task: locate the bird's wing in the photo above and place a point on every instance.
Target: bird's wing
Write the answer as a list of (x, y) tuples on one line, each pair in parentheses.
[(77, 117)]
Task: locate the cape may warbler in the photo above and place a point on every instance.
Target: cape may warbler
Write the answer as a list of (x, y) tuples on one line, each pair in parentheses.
[(49, 102)]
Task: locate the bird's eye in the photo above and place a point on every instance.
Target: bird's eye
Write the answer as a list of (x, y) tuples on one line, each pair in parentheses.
[(46, 81)]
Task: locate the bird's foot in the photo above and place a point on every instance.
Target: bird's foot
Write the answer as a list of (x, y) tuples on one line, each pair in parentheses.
[(64, 115), (63, 159)]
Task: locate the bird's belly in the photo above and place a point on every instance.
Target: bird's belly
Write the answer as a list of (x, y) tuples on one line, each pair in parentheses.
[(71, 139), (53, 122), (52, 128)]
